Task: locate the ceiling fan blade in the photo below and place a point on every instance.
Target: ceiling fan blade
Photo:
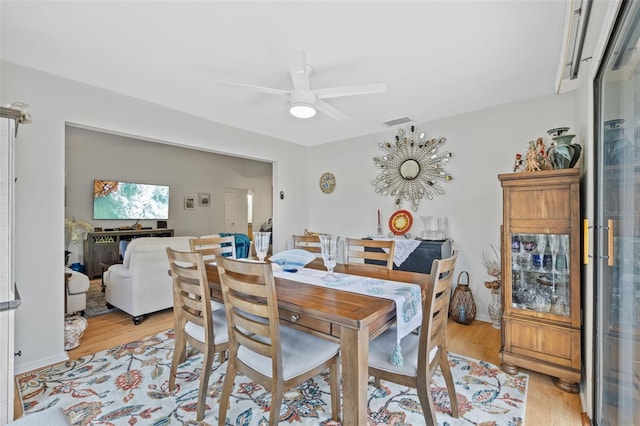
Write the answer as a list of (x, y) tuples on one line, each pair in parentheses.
[(252, 87), (330, 110), (299, 69), (363, 89)]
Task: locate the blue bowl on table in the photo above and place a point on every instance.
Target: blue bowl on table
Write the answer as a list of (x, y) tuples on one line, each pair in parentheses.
[(292, 260)]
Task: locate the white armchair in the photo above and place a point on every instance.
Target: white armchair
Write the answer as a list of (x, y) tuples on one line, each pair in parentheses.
[(75, 291), (141, 284)]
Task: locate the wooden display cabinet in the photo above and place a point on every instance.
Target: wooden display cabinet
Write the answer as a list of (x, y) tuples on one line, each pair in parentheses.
[(541, 317)]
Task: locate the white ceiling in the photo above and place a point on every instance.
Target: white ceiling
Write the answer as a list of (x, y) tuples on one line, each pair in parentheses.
[(437, 58)]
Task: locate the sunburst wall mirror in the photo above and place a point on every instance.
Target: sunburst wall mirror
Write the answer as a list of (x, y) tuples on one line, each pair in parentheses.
[(411, 168)]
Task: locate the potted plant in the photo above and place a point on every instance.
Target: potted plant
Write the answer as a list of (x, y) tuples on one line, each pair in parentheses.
[(74, 231)]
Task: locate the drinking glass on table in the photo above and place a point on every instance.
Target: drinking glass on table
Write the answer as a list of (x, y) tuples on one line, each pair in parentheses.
[(261, 241), (329, 248)]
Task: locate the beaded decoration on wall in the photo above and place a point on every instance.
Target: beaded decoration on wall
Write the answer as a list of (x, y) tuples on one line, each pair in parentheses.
[(411, 168)]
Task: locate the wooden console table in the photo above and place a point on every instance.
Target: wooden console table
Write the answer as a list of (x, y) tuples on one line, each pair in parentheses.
[(104, 247)]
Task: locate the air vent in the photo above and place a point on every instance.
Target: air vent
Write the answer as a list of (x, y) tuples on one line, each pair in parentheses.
[(397, 121)]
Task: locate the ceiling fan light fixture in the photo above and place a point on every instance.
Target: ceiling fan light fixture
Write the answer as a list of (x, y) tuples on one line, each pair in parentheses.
[(302, 110), (304, 101)]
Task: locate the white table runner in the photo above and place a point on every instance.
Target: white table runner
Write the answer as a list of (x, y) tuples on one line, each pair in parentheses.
[(407, 297)]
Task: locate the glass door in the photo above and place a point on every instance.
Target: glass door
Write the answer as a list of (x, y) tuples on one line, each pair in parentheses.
[(617, 392)]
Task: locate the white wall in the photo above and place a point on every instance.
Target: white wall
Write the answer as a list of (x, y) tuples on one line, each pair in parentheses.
[(97, 155), (584, 122), (40, 169), (484, 144)]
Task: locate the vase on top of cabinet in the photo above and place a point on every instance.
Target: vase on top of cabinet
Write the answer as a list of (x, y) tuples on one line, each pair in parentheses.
[(541, 274), (562, 153)]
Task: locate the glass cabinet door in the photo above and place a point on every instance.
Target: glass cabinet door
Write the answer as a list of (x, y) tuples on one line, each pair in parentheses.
[(540, 273), (617, 248)]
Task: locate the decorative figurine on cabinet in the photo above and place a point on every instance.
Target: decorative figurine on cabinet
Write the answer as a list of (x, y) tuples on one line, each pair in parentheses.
[(517, 165)]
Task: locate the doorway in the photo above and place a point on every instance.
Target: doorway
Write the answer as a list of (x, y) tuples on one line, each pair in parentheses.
[(245, 210), (236, 216)]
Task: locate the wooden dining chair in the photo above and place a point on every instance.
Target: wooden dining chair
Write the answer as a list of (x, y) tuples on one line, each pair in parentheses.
[(310, 243), (425, 352), (194, 321), (210, 247), (273, 355), (356, 251)]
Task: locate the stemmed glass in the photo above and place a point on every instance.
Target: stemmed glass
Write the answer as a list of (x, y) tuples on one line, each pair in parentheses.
[(261, 241), (424, 220), (564, 251), (529, 244), (541, 243), (554, 245), (329, 248), (515, 251)]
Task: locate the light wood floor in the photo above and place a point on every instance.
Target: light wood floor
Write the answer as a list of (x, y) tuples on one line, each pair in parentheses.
[(546, 404)]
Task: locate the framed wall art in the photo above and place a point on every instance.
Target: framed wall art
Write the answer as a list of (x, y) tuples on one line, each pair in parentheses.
[(189, 203), (204, 199)]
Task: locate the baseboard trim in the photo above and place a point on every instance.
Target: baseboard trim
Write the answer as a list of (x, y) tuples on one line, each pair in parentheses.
[(44, 362)]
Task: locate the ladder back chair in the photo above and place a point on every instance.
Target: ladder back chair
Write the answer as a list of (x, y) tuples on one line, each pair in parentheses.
[(194, 320), (210, 247), (356, 251), (425, 352), (310, 243), (273, 355)]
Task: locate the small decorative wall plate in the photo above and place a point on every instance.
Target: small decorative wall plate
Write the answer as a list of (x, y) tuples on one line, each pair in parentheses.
[(327, 183), (400, 222)]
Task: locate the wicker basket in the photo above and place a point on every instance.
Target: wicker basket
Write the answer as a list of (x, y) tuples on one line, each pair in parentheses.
[(462, 307)]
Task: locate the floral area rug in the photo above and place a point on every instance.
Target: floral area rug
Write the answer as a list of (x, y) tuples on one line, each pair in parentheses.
[(128, 385), (96, 301)]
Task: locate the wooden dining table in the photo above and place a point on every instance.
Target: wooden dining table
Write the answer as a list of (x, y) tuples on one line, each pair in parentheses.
[(350, 318)]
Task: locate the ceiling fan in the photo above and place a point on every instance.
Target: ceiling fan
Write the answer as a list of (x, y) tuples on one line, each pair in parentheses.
[(304, 101)]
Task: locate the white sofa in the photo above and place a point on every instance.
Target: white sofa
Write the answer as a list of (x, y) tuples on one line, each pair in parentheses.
[(76, 287), (141, 284)]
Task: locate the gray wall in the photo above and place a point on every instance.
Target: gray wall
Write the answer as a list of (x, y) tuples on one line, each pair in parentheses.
[(97, 155)]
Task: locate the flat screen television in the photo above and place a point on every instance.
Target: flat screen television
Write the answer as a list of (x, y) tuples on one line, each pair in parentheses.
[(127, 200)]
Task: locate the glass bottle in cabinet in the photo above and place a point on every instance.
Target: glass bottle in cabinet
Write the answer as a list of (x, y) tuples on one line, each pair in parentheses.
[(540, 273)]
